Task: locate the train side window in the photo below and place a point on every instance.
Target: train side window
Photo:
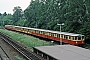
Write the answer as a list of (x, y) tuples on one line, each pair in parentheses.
[(75, 37), (55, 35), (49, 34), (37, 31), (72, 38), (43, 32), (34, 31), (66, 37), (40, 32), (79, 37), (31, 30), (58, 35), (28, 30), (61, 36), (69, 37)]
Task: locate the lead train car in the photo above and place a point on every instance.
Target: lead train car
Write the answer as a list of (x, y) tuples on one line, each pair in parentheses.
[(71, 38)]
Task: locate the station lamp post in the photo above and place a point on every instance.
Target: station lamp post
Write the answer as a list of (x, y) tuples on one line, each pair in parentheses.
[(60, 31)]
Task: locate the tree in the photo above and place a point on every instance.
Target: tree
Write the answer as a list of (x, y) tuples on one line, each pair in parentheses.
[(4, 14), (0, 14), (17, 15), (6, 19), (75, 14)]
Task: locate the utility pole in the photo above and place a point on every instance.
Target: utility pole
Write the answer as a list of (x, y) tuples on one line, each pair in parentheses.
[(60, 31)]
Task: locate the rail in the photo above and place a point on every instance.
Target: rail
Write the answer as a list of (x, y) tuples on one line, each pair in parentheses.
[(28, 54), (4, 55)]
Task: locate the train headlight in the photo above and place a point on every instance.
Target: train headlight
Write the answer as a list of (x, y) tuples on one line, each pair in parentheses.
[(76, 42)]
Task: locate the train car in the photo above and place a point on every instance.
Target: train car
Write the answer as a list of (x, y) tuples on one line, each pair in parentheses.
[(9, 27), (71, 38)]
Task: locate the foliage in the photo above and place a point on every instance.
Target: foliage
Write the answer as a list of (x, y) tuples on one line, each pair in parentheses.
[(20, 22), (46, 14), (17, 15), (5, 19), (19, 58), (16, 19)]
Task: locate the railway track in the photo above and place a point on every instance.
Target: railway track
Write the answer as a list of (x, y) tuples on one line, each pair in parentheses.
[(28, 54), (3, 54)]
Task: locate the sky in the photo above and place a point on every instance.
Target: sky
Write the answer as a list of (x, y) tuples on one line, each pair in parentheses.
[(8, 5)]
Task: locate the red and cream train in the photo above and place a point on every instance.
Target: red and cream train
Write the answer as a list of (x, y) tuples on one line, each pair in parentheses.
[(71, 38)]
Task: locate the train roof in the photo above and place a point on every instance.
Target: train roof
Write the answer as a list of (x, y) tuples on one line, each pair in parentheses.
[(65, 52), (65, 33)]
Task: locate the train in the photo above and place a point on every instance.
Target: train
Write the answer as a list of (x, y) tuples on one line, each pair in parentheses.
[(65, 37)]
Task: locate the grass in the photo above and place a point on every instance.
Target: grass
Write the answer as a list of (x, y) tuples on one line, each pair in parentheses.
[(27, 40), (87, 46), (19, 58)]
